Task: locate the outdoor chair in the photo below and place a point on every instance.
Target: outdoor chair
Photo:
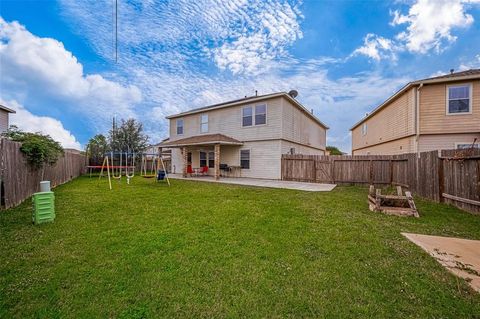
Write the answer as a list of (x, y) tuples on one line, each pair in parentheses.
[(204, 170)]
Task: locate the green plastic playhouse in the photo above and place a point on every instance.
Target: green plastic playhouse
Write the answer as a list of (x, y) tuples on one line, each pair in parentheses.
[(43, 207)]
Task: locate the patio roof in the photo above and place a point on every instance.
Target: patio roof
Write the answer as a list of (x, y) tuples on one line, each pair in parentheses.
[(207, 139)]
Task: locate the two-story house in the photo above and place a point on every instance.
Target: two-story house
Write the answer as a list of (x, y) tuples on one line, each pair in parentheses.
[(436, 113), (4, 113), (248, 135)]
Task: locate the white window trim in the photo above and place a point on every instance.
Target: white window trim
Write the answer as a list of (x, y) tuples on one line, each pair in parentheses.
[(266, 115), (469, 143), (364, 132), (183, 126), (470, 101), (208, 124), (249, 158), (253, 115)]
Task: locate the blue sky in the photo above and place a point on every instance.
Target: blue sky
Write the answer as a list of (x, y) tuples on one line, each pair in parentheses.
[(344, 57)]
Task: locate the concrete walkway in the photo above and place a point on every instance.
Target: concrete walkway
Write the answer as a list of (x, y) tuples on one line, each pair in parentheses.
[(460, 256), (257, 182)]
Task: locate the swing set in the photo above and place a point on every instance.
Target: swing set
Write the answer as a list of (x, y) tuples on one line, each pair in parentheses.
[(118, 164)]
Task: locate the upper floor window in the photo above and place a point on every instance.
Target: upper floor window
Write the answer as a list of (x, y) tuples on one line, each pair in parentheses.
[(459, 99), (364, 129), (260, 114), (179, 126), (204, 123), (259, 118), (247, 116)]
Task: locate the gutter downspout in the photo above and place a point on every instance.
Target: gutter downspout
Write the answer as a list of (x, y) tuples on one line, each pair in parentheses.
[(417, 117)]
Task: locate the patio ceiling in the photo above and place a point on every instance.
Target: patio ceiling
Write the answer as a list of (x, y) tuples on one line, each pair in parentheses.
[(205, 139)]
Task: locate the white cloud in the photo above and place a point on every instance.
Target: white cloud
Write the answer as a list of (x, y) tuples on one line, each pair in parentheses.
[(376, 48), (430, 23), (35, 68), (429, 26), (29, 122)]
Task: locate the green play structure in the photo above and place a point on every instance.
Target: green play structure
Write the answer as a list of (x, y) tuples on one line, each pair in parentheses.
[(43, 207)]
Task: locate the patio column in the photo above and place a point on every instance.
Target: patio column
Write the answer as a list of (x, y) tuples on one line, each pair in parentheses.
[(185, 159), (217, 161)]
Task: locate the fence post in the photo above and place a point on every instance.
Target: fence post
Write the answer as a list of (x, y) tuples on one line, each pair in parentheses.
[(391, 172), (441, 180), (333, 171)]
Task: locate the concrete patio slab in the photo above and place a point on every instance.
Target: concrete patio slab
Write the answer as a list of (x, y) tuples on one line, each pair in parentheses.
[(460, 256), (301, 186)]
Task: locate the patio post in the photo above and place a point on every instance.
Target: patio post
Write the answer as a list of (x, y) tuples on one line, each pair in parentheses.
[(185, 159), (217, 161)]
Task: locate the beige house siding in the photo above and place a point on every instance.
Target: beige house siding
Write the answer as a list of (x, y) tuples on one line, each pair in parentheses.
[(400, 146), (264, 158), (228, 121), (445, 141), (395, 121), (433, 117), (297, 127), (300, 149), (3, 120)]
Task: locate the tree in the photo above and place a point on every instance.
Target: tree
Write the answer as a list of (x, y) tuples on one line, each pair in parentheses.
[(96, 148), (334, 150), (129, 136), (40, 150)]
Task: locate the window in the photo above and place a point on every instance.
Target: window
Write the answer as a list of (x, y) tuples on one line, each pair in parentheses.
[(459, 99), (211, 159), (463, 146), (180, 127), (247, 116), (189, 158), (245, 159), (260, 114), (204, 123), (364, 129), (203, 159)]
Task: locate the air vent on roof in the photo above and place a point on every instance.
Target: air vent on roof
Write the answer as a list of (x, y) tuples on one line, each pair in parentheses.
[(293, 93)]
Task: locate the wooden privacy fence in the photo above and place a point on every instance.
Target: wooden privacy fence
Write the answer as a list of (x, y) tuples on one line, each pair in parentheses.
[(19, 181), (443, 178)]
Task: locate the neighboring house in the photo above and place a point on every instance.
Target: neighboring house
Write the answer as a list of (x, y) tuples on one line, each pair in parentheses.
[(248, 135), (4, 113), (437, 113)]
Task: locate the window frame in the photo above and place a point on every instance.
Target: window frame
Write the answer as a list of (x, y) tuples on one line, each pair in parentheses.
[(364, 129), (249, 157), (176, 126), (255, 114), (212, 153), (200, 158), (470, 96), (252, 116), (202, 123), (477, 145)]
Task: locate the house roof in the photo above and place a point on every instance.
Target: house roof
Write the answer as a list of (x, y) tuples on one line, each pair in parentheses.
[(451, 77), (207, 139), (250, 99), (6, 109)]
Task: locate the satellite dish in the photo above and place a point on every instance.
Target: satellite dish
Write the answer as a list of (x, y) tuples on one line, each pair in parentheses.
[(293, 93)]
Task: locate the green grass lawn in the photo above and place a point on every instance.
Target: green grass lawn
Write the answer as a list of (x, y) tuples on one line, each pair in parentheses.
[(214, 250)]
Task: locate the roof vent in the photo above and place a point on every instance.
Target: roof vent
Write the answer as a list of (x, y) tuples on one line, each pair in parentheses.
[(451, 71), (293, 93)]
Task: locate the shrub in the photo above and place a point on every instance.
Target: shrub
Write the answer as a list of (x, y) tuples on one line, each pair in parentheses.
[(38, 149)]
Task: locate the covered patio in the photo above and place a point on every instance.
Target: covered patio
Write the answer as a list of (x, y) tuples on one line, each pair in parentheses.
[(203, 152)]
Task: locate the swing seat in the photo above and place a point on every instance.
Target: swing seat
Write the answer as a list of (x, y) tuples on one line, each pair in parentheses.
[(148, 176), (161, 175)]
